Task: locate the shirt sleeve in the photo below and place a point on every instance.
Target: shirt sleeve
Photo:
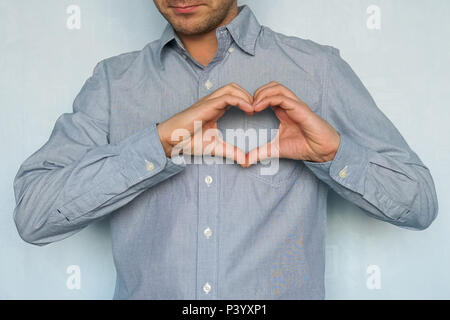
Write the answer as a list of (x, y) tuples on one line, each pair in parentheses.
[(78, 177), (374, 167)]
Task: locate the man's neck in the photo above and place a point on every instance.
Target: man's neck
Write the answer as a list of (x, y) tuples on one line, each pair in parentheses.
[(203, 47)]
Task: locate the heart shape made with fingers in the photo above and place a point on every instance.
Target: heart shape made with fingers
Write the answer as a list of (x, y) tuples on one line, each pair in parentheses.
[(248, 132), (282, 126), (278, 125)]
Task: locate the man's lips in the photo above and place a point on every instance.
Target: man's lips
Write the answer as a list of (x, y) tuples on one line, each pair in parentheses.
[(187, 9)]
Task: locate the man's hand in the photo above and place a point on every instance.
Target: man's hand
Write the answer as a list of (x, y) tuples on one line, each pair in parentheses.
[(302, 134), (179, 132)]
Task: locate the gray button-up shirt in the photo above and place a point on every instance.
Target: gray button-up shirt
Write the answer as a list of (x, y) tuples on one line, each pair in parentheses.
[(211, 231)]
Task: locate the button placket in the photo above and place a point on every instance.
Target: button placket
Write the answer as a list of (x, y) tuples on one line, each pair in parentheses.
[(208, 180), (207, 288), (208, 84), (207, 212), (207, 238), (208, 233)]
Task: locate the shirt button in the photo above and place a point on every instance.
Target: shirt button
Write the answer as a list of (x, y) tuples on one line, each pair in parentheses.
[(207, 288), (208, 180), (207, 233), (343, 173), (208, 84), (230, 50), (149, 165)]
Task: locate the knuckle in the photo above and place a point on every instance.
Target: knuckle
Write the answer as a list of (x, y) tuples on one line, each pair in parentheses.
[(227, 96), (229, 86), (279, 87)]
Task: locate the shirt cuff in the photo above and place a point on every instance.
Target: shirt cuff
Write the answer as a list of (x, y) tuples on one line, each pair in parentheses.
[(140, 164), (142, 156), (348, 168)]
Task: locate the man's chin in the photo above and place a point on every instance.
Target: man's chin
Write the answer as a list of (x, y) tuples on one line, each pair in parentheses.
[(191, 32)]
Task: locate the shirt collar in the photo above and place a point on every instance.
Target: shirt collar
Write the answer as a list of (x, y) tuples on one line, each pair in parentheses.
[(244, 29)]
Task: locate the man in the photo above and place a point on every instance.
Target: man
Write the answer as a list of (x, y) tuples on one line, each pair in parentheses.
[(210, 230)]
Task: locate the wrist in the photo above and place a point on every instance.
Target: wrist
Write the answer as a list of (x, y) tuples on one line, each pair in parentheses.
[(163, 138), (332, 154)]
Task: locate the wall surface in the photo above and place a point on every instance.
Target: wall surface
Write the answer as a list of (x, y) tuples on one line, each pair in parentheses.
[(400, 50)]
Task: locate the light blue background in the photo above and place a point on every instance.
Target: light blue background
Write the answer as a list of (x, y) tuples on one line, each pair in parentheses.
[(405, 65)]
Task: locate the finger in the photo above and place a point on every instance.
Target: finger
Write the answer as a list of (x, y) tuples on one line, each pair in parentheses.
[(282, 115), (273, 90), (226, 150), (269, 150), (249, 96), (226, 100), (233, 89), (296, 110), (267, 85), (217, 147), (281, 101)]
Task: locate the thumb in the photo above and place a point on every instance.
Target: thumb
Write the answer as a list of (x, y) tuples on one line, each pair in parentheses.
[(269, 150)]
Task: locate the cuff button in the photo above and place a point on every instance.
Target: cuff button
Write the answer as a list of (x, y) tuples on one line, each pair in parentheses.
[(343, 173), (149, 165)]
